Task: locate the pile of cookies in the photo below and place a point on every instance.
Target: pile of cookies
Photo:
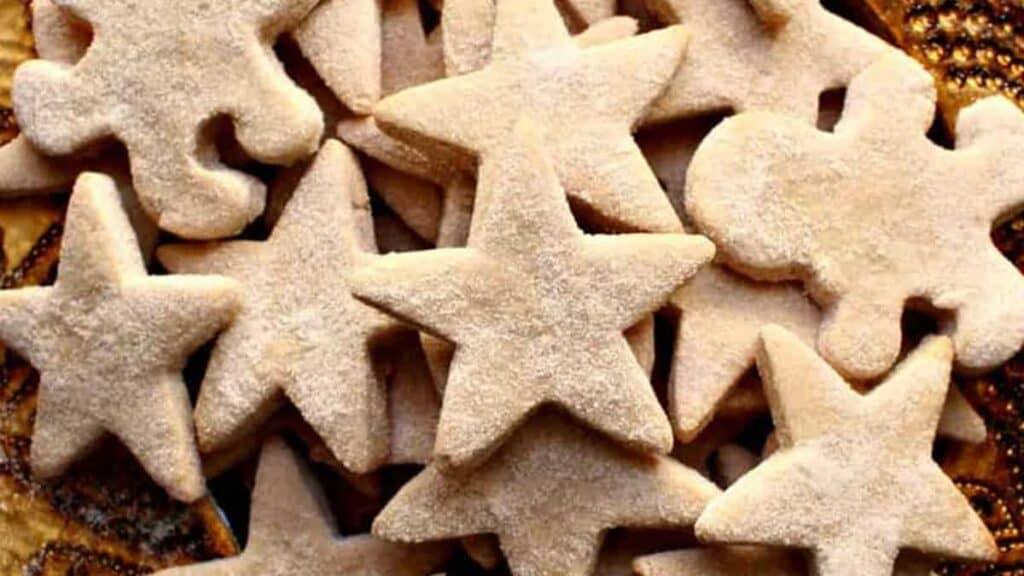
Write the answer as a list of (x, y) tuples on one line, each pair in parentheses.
[(551, 194)]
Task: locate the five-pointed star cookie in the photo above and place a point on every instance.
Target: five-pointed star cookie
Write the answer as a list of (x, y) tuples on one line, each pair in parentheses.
[(772, 55), (536, 309), (536, 68), (300, 334), (784, 200), (549, 495), (109, 342), (342, 40), (291, 532), (153, 79), (853, 480)]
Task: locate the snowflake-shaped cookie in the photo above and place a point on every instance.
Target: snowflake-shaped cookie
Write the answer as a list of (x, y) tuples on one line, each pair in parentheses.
[(875, 216), (154, 78)]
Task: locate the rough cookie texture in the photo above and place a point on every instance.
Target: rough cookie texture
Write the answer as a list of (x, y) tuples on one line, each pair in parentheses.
[(874, 216), (109, 342), (291, 532), (536, 309), (771, 55), (536, 68), (549, 495), (153, 79), (301, 334), (853, 480), (750, 561)]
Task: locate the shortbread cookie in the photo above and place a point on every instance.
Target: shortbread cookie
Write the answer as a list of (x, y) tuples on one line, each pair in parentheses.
[(732, 461), (301, 335), (342, 39), (537, 68), (750, 561), (771, 55), (413, 405), (853, 480), (416, 201), (960, 421), (537, 310), (549, 495), (410, 56), (291, 532), (783, 200), (154, 82), (109, 342), (58, 35)]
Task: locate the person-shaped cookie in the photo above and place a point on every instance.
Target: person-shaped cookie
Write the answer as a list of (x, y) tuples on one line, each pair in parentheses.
[(875, 217), (110, 341), (853, 480), (291, 533), (536, 309), (769, 55), (153, 79), (301, 334)]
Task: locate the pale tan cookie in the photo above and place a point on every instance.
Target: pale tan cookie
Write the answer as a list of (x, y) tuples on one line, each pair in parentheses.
[(342, 39), (853, 480), (413, 405), (153, 79), (732, 461), (301, 335), (59, 36), (776, 55), (959, 419), (784, 200), (417, 202), (721, 316), (750, 561), (549, 494), (537, 68), (537, 309), (410, 56), (291, 532), (109, 342)]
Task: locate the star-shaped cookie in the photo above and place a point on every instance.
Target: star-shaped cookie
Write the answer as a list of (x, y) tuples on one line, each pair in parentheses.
[(300, 335), (153, 79), (549, 494), (784, 200), (772, 55), (536, 68), (749, 560), (291, 532), (853, 480), (109, 342), (536, 309)]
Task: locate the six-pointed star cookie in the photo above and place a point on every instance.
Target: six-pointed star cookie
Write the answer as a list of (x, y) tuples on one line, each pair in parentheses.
[(537, 69), (301, 333), (291, 532), (875, 215), (853, 480), (153, 78), (109, 342), (536, 309), (772, 55), (549, 495)]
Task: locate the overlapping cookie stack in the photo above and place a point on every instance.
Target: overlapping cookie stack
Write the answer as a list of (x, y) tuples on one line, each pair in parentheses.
[(522, 349)]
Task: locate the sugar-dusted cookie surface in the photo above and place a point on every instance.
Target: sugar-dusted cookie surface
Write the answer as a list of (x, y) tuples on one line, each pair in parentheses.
[(109, 342), (853, 480), (536, 309), (300, 333), (549, 495), (750, 561), (536, 68), (874, 216), (291, 532), (771, 55), (153, 79)]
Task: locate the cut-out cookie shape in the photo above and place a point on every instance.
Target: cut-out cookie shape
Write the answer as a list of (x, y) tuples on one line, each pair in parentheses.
[(58, 35), (154, 82), (300, 335), (549, 495), (109, 342), (771, 55), (853, 480), (410, 56), (342, 40), (873, 216), (537, 68), (536, 309), (750, 561), (291, 532), (413, 405)]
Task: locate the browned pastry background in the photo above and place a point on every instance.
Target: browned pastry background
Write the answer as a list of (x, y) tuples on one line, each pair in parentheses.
[(107, 519)]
